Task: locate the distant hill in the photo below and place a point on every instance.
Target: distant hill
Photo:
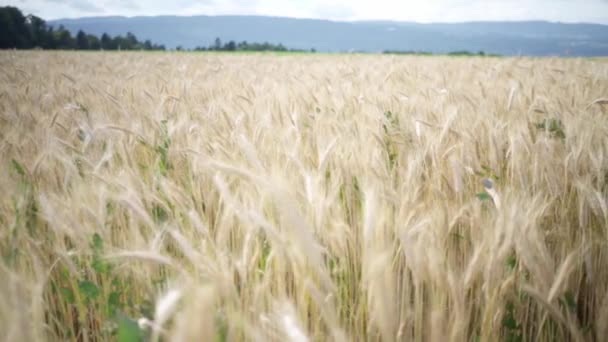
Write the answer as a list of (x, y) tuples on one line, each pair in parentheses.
[(534, 38)]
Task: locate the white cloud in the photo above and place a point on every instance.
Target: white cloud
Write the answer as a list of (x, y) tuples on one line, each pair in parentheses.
[(406, 10)]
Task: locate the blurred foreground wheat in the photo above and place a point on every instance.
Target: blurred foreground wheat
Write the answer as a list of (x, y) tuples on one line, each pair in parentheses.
[(211, 197)]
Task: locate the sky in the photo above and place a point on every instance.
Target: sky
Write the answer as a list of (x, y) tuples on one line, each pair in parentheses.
[(593, 11)]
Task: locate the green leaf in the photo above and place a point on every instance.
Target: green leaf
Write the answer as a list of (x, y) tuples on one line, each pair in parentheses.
[(128, 330), (509, 322), (89, 290), (109, 208), (18, 167), (459, 236), (483, 196), (159, 214), (164, 165), (554, 126), (100, 266), (222, 328), (64, 273), (68, 295), (114, 299), (113, 303), (388, 115), (81, 135), (569, 301), (97, 243), (512, 262), (263, 261)]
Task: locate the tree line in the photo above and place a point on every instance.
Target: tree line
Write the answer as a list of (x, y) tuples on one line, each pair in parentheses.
[(245, 46), (452, 53), (18, 31)]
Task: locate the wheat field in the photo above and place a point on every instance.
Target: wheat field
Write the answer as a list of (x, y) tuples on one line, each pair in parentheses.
[(264, 197)]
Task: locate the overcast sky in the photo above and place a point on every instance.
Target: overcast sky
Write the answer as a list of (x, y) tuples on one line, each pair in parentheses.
[(595, 11)]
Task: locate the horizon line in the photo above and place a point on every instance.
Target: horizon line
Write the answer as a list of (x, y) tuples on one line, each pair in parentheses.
[(333, 20)]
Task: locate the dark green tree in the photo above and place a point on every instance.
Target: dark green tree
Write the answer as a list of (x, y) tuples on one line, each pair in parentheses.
[(106, 42), (147, 45), (37, 30), (13, 30), (118, 43), (64, 39), (93, 41), (230, 46), (82, 42), (50, 41), (131, 42), (242, 45)]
